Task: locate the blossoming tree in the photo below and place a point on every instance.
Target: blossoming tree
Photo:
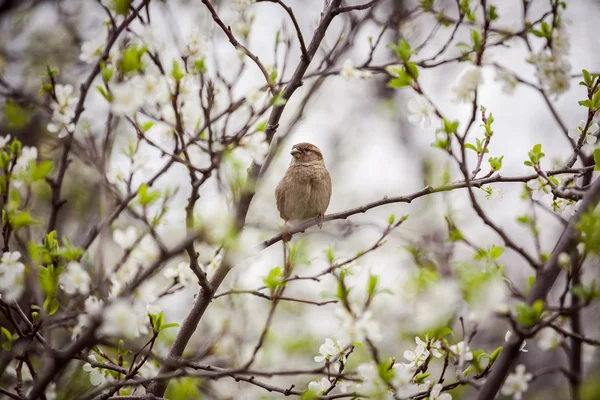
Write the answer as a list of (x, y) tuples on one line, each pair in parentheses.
[(142, 253)]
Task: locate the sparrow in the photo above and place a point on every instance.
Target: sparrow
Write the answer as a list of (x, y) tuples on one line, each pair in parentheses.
[(305, 189)]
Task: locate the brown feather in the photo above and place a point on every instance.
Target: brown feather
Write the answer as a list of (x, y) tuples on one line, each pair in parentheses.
[(305, 190)]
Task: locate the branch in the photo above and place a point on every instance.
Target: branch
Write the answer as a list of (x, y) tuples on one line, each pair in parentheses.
[(544, 281), (296, 26), (190, 323), (413, 196)]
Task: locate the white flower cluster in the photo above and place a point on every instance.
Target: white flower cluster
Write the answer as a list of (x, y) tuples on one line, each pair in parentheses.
[(553, 69), (330, 350), (349, 72), (358, 328), (420, 354), (75, 279), (591, 134), (63, 110), (11, 276), (420, 111), (466, 84), (516, 383)]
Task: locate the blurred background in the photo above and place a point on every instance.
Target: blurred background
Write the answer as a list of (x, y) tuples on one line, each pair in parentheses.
[(370, 149)]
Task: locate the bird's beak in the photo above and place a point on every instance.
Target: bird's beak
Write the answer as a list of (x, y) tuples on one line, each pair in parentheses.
[(295, 152)]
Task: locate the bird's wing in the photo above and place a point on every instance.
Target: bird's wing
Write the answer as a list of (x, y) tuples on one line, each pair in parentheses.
[(321, 193), (280, 199)]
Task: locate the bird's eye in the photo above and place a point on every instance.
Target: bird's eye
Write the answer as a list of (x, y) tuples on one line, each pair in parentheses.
[(306, 150)]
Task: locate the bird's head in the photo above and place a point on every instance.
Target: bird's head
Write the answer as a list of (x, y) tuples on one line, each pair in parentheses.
[(306, 153)]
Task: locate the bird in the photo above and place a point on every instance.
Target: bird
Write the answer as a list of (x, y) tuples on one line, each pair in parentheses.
[(304, 191)]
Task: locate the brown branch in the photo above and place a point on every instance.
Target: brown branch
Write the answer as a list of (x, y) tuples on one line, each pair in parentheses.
[(544, 281), (296, 26), (202, 301), (413, 196)]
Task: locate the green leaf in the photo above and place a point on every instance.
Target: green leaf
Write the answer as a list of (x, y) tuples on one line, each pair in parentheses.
[(470, 147), (21, 219), (597, 159), (587, 78), (372, 285), (403, 80), (261, 127), (107, 72), (495, 354), (131, 59), (41, 170), (147, 196), (169, 325), (121, 6), (421, 377), (391, 219), (277, 100), (6, 333), (402, 50), (200, 66), (104, 93), (176, 72), (450, 127), (145, 127), (274, 279), (51, 305), (495, 163), (412, 69), (16, 116)]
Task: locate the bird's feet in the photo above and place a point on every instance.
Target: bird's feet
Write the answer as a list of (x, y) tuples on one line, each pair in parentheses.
[(321, 218), (286, 236)]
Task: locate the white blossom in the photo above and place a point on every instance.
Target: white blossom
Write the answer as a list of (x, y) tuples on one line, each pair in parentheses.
[(522, 348), (358, 328), (255, 98), (127, 97), (91, 50), (121, 318), (466, 84), (437, 395), (553, 71), (421, 111), (182, 272), (61, 125), (319, 386), (11, 275), (489, 298), (372, 385), (508, 80), (434, 305), (127, 237), (416, 357), (97, 376), (93, 305), (548, 339), (330, 349), (349, 72), (75, 279), (154, 87), (151, 38), (65, 102), (28, 154), (63, 110), (240, 5), (590, 137), (517, 383), (4, 140), (393, 70), (462, 351), (403, 380)]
